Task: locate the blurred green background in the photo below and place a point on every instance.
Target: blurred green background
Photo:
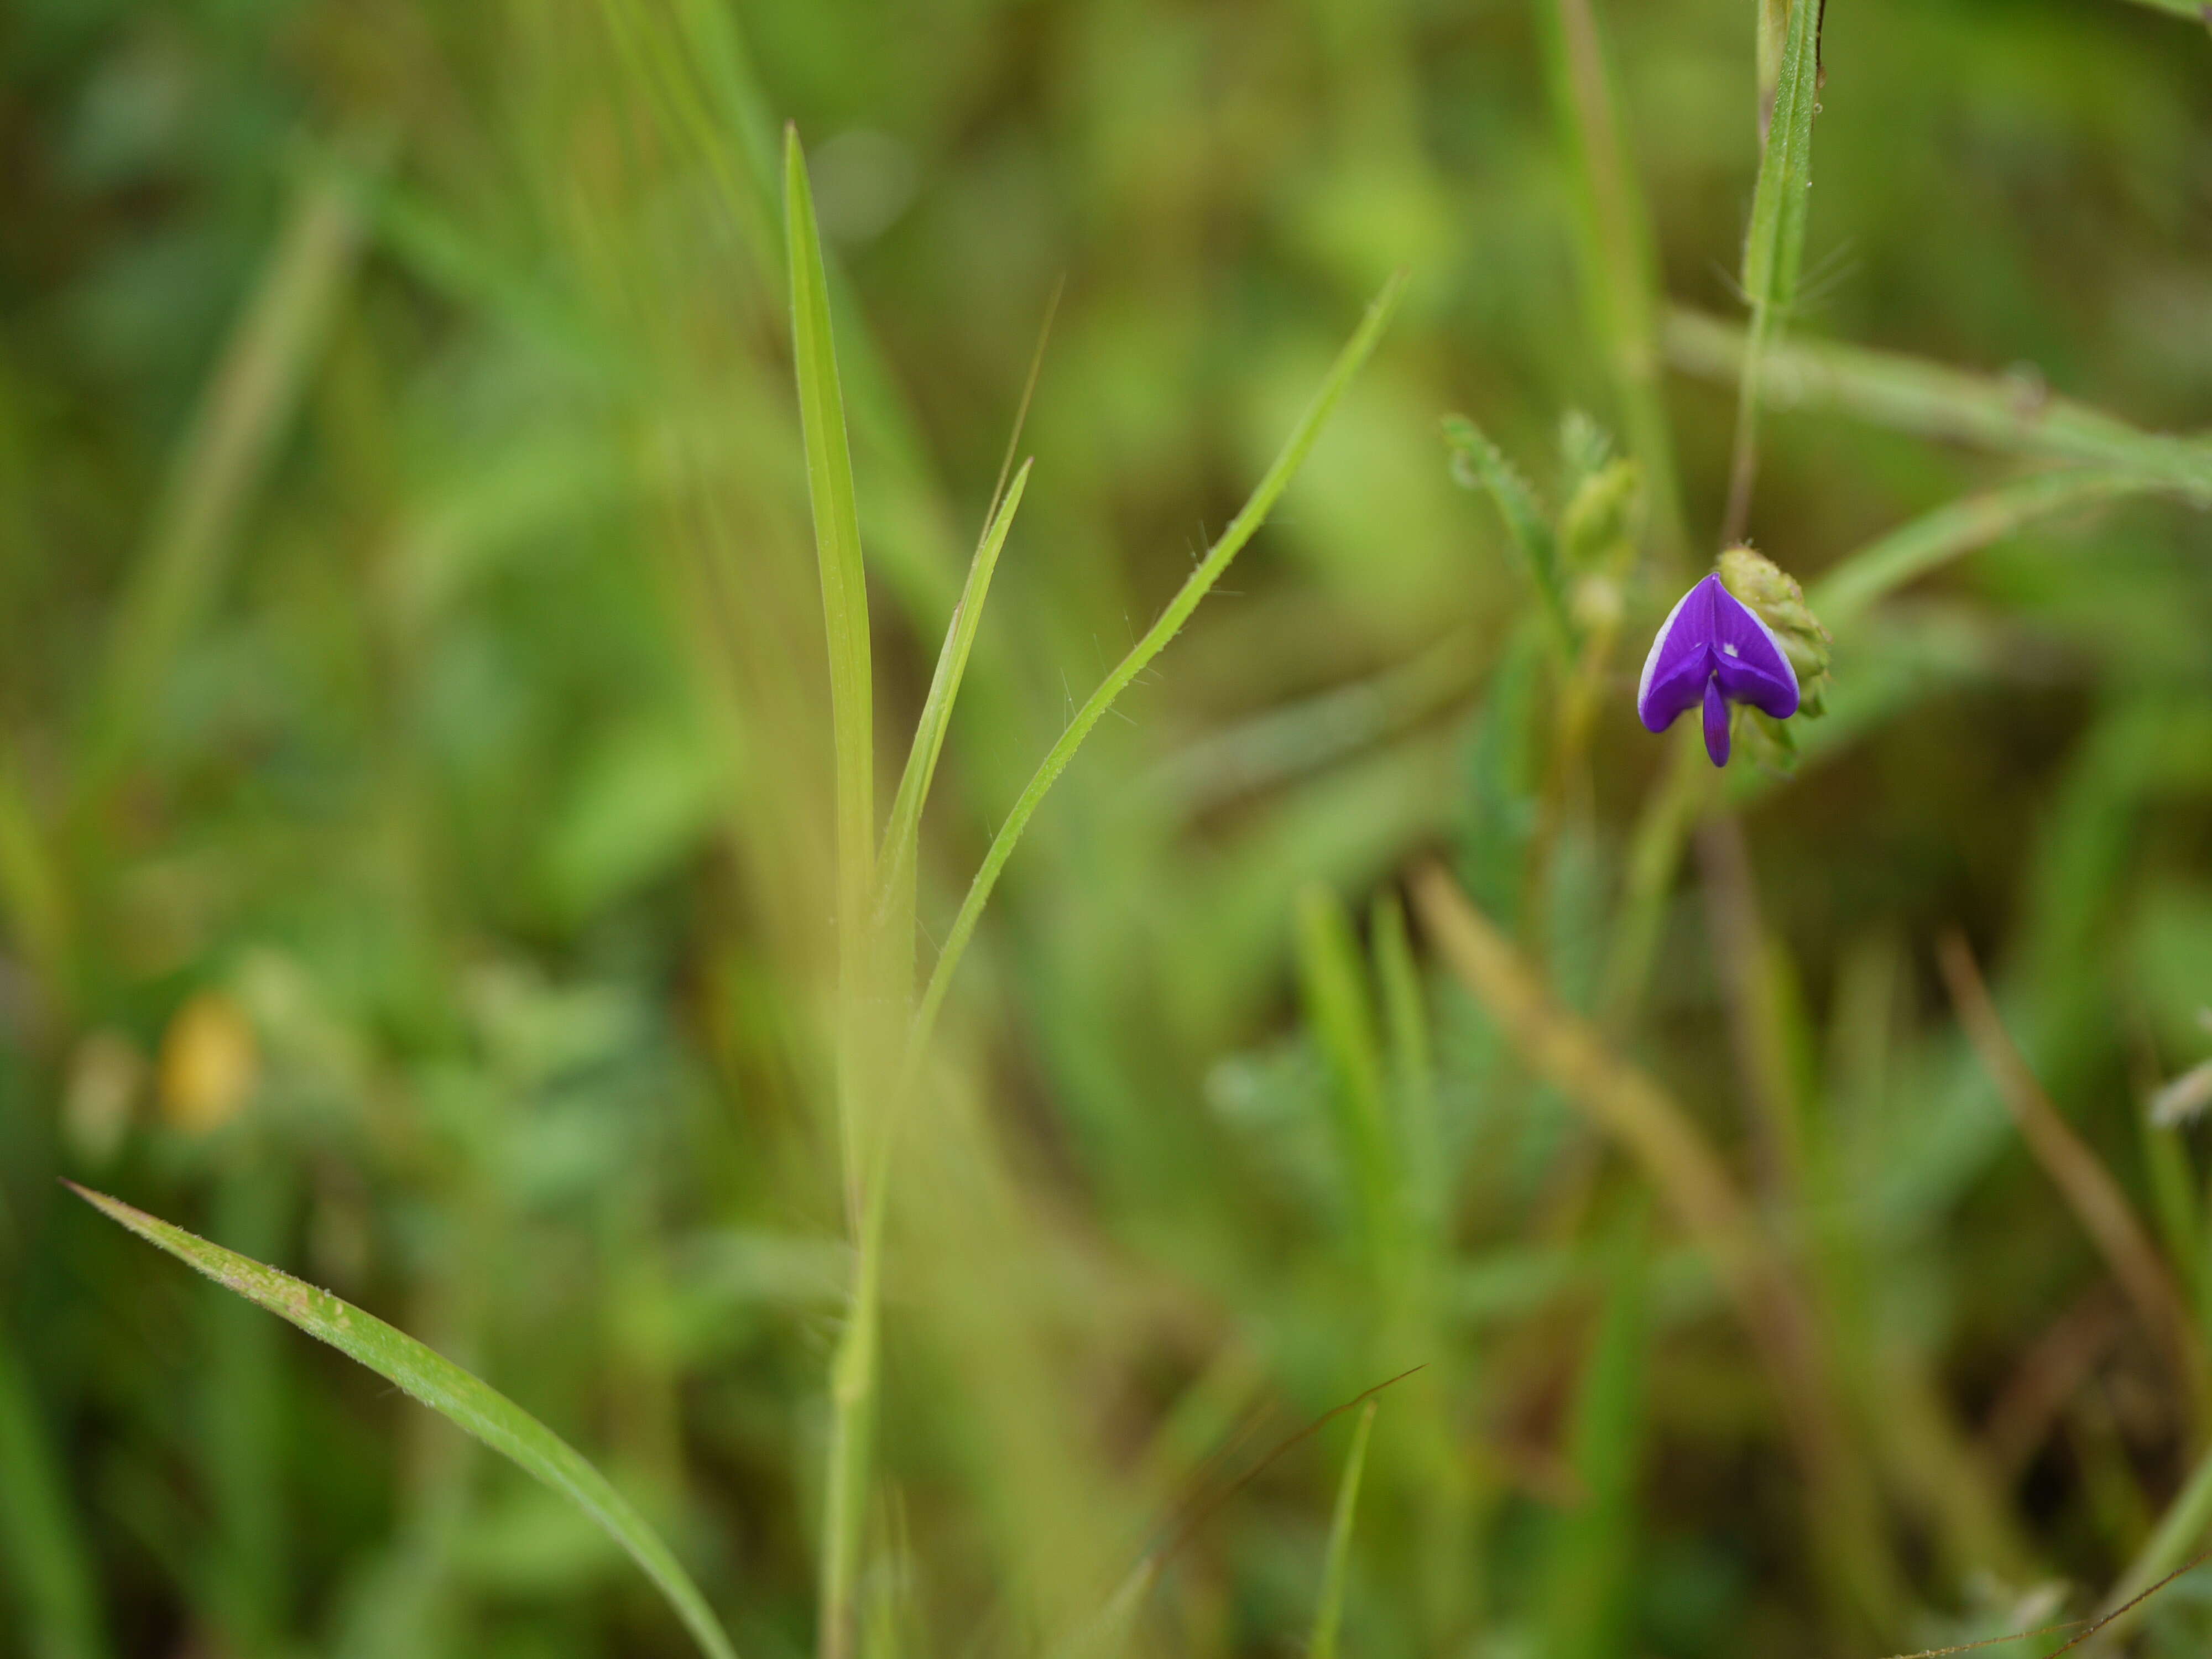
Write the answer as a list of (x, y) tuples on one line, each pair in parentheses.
[(416, 833)]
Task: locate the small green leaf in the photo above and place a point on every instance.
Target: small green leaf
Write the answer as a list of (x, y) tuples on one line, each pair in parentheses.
[(445, 1388), (1330, 1614)]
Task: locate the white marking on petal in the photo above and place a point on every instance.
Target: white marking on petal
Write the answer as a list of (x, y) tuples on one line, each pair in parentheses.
[(1760, 622)]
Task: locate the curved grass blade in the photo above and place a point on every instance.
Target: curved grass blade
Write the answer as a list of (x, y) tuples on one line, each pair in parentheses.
[(462, 1399), (1199, 583), (1329, 1616)]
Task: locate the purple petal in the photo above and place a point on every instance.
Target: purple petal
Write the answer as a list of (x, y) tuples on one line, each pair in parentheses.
[(1675, 672), (1750, 661), (1716, 723)]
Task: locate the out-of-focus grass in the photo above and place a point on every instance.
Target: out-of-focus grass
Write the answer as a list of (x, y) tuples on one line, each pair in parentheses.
[(418, 825)]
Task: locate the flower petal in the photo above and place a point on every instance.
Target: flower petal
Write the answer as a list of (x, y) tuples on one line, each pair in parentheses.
[(1751, 663), (1675, 672), (1716, 723)]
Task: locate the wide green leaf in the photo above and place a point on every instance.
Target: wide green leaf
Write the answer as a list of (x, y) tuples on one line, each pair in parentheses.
[(464, 1400)]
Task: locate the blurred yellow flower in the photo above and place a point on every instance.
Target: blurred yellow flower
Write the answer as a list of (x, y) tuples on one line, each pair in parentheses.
[(209, 1064)]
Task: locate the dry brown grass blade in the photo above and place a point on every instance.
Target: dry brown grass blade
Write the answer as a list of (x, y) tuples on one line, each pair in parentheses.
[(1571, 1056), (2095, 1198)]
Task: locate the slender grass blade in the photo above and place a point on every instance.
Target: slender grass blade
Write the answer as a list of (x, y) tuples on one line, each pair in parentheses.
[(463, 1400), (837, 548), (1201, 582), (1328, 1617)]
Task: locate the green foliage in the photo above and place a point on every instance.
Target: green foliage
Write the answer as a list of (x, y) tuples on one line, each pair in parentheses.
[(442, 733), (447, 1389)]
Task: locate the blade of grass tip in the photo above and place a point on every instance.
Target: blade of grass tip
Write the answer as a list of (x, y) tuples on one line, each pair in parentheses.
[(1170, 623), (226, 450), (1619, 266), (838, 549), (1028, 392), (2096, 1198), (1774, 248), (57, 1597), (1935, 539), (462, 1399), (902, 836), (1329, 1617), (2010, 414)]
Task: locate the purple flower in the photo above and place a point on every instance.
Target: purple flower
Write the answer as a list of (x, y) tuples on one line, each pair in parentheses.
[(1714, 649)]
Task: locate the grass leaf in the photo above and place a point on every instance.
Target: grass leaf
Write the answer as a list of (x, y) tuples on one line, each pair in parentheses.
[(902, 835), (463, 1400), (1196, 588), (1330, 1615), (837, 550)]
